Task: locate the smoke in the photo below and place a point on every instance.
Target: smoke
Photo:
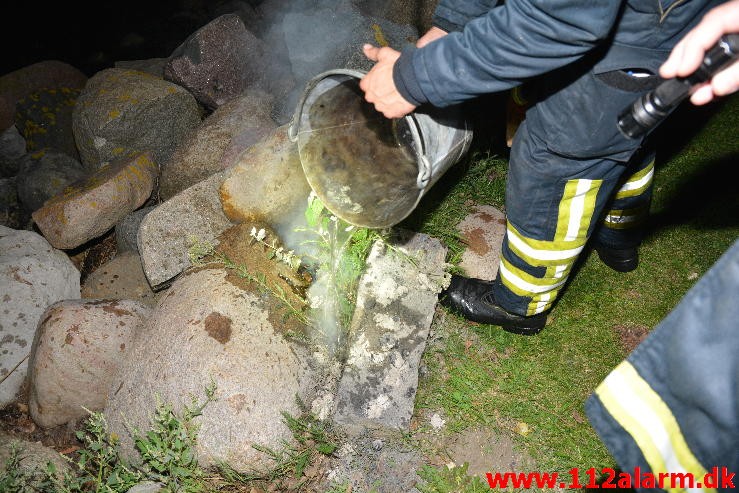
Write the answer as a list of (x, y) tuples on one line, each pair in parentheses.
[(321, 244), (303, 39)]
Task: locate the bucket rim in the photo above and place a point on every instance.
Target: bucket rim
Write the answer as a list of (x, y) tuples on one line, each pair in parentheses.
[(292, 131)]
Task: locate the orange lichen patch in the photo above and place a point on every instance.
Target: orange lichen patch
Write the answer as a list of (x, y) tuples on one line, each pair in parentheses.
[(113, 114), (117, 151)]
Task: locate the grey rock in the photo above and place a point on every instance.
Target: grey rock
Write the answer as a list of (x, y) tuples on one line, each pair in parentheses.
[(33, 275), (214, 63), (121, 278), (33, 459), (215, 144), (45, 120), (127, 230), (78, 348), (20, 83), (167, 233), (207, 328), (395, 307), (267, 184), (123, 112), (12, 147), (44, 174)]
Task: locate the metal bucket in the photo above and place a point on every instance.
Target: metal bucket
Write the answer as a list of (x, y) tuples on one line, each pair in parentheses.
[(369, 170)]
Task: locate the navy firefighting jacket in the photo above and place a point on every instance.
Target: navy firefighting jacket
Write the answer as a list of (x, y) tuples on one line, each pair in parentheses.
[(587, 49)]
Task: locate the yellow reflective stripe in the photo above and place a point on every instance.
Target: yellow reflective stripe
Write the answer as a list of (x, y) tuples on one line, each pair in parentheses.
[(542, 252), (541, 302), (646, 417), (523, 283), (516, 96), (637, 183), (576, 209), (626, 218)]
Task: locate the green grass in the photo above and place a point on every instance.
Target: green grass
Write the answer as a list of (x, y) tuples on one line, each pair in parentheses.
[(480, 375)]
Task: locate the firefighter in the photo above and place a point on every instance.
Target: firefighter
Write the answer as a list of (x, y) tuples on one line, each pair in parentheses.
[(574, 181)]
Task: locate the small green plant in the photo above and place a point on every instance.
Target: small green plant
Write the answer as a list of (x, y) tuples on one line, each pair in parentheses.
[(17, 478), (100, 465), (449, 480), (167, 453), (168, 448), (311, 441), (198, 250), (339, 252)]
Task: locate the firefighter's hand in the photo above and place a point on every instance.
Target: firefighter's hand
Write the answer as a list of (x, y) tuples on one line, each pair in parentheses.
[(688, 54), (431, 35), (378, 86)]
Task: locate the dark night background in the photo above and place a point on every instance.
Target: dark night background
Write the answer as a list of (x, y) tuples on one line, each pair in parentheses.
[(92, 36)]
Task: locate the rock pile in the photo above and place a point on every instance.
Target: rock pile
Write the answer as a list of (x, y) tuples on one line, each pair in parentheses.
[(171, 155)]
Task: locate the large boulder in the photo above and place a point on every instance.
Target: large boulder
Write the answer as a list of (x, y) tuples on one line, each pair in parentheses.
[(168, 233), (33, 275), (211, 325), (45, 119), (89, 208), (217, 61), (267, 184), (123, 112), (215, 144), (76, 354)]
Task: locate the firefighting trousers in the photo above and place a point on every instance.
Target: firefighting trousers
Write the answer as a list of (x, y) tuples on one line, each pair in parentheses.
[(554, 205)]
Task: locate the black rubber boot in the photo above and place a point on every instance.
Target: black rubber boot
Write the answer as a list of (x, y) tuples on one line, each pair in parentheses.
[(618, 259), (473, 298)]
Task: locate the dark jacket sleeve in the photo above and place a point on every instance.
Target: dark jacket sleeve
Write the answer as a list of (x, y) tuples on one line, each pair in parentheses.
[(452, 15), (508, 45)]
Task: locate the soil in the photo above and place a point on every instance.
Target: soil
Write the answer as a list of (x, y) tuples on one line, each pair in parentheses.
[(631, 336), (15, 420)]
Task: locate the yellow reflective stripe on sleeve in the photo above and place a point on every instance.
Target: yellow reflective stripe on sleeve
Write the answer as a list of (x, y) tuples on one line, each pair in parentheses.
[(637, 183), (524, 284), (646, 417), (542, 252), (576, 208)]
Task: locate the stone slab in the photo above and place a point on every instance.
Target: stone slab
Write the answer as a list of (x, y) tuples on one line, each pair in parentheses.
[(396, 298)]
